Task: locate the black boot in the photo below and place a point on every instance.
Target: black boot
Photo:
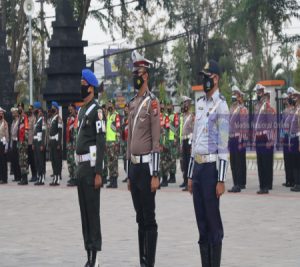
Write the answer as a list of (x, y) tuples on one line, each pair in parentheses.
[(142, 248), (215, 255), (104, 180), (164, 182), (89, 258), (296, 188), (172, 179), (150, 247), (125, 180), (184, 184), (33, 179), (24, 180), (111, 181), (205, 255), (115, 182)]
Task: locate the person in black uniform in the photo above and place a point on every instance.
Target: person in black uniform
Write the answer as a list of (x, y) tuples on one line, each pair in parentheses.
[(143, 156), (89, 157)]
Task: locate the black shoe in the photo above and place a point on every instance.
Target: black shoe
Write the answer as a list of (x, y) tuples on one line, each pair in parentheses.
[(235, 189), (172, 179), (23, 182), (262, 191), (242, 186), (3, 182), (125, 180), (185, 189), (205, 255), (183, 185), (111, 183), (142, 249), (296, 188), (215, 255), (72, 182), (104, 180), (33, 179)]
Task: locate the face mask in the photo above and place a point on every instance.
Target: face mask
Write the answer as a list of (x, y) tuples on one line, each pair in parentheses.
[(233, 100), (53, 110), (162, 110), (259, 97), (84, 91), (291, 101), (208, 83), (138, 82), (169, 110), (36, 112), (29, 113), (20, 112), (110, 109)]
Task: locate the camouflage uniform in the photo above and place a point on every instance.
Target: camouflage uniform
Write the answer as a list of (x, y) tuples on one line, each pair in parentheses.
[(70, 145), (23, 147), (113, 147), (163, 151)]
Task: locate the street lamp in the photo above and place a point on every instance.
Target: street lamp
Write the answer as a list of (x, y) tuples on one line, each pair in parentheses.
[(29, 10)]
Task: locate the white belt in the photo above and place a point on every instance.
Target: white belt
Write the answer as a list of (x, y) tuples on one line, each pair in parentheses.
[(83, 158), (234, 135), (15, 139), (54, 137), (35, 138), (140, 159), (205, 158)]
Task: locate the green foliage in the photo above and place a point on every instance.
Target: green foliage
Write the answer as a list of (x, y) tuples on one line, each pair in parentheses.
[(297, 77), (225, 86)]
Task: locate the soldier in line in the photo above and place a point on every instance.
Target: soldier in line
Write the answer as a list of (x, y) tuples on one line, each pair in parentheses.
[(89, 157), (124, 130), (70, 144), (172, 134), (113, 124), (186, 137), (287, 115), (263, 127), (209, 150), (4, 142), (31, 161), (238, 136), (39, 143), (143, 156), (163, 147), (294, 135), (14, 145), (23, 129), (55, 143), (105, 163)]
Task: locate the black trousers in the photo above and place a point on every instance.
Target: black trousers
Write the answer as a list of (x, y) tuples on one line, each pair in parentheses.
[(31, 161), (264, 162), (142, 197), (55, 157), (237, 162), (206, 204), (288, 158), (3, 163), (89, 203), (295, 160), (15, 161), (39, 157), (186, 156)]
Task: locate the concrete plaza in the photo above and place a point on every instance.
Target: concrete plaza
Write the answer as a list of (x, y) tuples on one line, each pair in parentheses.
[(40, 226)]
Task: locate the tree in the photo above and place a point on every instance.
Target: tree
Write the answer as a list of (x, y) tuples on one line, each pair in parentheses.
[(297, 77)]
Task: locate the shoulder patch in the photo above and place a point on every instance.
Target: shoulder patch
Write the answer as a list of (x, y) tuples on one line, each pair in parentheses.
[(154, 106), (200, 98)]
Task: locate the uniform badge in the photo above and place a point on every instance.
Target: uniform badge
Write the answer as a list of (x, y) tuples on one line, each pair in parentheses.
[(154, 106), (100, 114)]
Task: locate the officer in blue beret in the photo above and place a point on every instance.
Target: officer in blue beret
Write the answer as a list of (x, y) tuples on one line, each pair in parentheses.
[(89, 157), (39, 142), (55, 143)]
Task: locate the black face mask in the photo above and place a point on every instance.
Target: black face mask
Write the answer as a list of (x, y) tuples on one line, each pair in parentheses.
[(291, 101), (138, 82), (110, 109), (162, 110), (169, 110), (259, 97), (20, 112), (233, 100), (36, 112), (84, 91), (53, 110), (208, 83)]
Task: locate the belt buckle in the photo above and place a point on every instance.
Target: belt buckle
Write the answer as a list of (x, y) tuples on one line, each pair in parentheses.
[(198, 159), (133, 159)]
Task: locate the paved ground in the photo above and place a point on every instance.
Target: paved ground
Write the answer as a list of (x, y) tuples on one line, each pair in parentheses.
[(40, 227)]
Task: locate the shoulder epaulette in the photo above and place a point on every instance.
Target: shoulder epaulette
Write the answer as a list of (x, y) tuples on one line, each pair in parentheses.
[(222, 97), (199, 98)]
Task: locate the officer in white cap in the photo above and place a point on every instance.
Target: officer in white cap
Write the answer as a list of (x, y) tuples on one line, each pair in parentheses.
[(238, 137)]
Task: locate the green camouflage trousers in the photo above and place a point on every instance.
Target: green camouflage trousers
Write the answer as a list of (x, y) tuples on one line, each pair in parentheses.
[(23, 157), (112, 149), (163, 164), (172, 156), (71, 159), (124, 153)]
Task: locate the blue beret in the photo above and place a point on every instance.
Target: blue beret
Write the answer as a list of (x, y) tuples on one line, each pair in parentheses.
[(55, 104), (37, 105), (89, 77)]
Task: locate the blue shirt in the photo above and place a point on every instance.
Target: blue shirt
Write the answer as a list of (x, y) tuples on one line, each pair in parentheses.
[(211, 130)]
